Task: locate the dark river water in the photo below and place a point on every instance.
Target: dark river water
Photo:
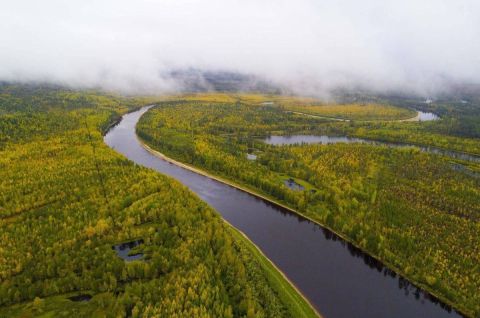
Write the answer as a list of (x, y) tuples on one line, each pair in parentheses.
[(337, 278)]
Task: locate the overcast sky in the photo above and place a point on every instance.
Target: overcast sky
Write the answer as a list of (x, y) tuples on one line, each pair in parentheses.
[(321, 44)]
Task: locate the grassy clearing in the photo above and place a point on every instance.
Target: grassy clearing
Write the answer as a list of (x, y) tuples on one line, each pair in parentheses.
[(362, 112)]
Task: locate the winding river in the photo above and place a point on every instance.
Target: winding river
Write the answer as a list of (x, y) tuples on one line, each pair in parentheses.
[(337, 278)]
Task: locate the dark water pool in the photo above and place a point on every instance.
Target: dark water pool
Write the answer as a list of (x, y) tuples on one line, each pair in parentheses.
[(123, 250), (292, 185), (81, 298), (338, 279)]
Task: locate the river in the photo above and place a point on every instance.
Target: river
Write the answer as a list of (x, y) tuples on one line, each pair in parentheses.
[(337, 278)]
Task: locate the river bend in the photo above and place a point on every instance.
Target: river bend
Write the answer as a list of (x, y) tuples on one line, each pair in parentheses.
[(339, 280)]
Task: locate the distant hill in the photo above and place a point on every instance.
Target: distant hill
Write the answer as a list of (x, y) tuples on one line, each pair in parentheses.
[(195, 80)]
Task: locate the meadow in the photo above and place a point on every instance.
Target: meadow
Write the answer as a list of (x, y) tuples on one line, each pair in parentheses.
[(357, 112)]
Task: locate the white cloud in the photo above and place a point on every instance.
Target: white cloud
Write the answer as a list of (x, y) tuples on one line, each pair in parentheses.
[(308, 44)]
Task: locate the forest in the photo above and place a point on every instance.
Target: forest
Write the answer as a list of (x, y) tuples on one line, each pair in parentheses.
[(414, 210), (68, 204)]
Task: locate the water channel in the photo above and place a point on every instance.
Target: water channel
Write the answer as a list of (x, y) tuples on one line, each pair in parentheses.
[(338, 279)]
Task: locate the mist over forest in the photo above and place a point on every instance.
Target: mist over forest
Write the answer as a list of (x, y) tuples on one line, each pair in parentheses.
[(309, 47)]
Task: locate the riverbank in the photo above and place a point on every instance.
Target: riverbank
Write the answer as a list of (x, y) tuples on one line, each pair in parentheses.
[(291, 296), (268, 198), (287, 290)]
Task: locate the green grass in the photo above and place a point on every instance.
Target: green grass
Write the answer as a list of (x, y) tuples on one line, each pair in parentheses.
[(296, 304), (361, 112)]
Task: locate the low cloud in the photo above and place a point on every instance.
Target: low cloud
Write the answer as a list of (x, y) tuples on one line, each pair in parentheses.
[(309, 46)]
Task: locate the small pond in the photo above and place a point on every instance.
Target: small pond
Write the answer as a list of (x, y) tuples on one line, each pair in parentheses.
[(123, 250), (292, 185), (251, 156), (83, 297)]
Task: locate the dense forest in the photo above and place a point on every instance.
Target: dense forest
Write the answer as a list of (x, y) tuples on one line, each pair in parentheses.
[(414, 210), (69, 204)]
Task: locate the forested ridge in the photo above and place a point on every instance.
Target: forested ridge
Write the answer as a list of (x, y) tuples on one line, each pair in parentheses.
[(66, 200), (411, 209)]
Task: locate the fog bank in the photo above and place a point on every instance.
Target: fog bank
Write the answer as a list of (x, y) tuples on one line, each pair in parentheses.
[(309, 46)]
